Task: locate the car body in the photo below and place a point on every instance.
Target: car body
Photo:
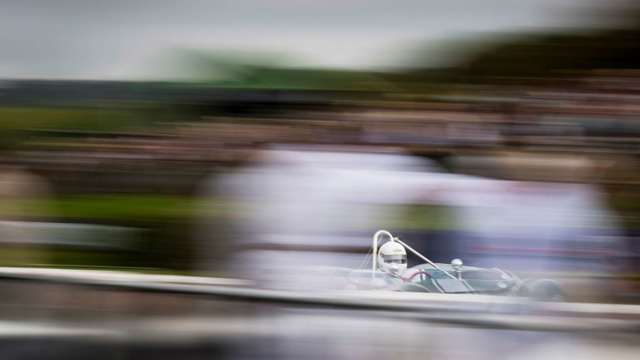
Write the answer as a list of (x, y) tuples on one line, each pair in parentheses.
[(468, 279)]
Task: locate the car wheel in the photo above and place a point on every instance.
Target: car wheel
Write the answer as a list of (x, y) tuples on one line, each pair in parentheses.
[(543, 290)]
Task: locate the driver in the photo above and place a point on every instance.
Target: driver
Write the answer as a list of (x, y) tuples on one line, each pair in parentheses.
[(392, 259)]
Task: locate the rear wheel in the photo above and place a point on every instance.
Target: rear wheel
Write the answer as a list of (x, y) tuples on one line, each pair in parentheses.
[(542, 290)]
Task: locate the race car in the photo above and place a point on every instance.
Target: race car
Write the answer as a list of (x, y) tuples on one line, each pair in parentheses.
[(389, 270)]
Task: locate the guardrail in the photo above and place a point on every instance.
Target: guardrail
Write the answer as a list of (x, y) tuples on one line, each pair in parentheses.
[(467, 310)]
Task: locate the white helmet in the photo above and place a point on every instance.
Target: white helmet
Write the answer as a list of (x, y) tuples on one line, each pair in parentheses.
[(392, 258)]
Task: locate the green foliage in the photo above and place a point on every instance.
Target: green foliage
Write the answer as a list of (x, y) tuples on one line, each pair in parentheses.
[(107, 208), (268, 71), (426, 217), (18, 118), (553, 54)]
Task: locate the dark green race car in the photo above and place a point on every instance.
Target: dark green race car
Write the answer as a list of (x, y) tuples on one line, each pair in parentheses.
[(475, 280)]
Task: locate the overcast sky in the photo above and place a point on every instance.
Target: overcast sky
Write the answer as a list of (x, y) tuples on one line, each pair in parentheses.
[(118, 39)]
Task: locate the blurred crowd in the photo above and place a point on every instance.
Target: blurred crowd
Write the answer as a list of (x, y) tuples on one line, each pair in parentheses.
[(541, 130), (203, 179)]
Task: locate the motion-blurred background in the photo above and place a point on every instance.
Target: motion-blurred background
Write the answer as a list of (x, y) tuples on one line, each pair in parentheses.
[(246, 138)]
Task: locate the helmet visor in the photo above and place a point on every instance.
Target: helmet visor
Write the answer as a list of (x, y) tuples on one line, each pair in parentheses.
[(395, 259)]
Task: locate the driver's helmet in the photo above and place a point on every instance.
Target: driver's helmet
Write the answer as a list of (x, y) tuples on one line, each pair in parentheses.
[(392, 258)]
